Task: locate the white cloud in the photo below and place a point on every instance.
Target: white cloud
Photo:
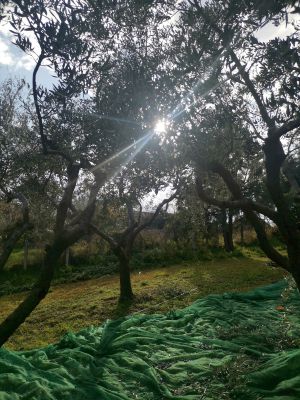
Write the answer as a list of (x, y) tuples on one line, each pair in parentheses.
[(13, 56), (5, 29), (269, 31), (6, 57), (25, 62), (10, 54)]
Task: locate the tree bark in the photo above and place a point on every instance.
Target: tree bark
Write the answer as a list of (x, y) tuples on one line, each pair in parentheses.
[(126, 292)]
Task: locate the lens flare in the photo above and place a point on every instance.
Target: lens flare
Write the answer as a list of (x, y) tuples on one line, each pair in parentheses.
[(160, 127)]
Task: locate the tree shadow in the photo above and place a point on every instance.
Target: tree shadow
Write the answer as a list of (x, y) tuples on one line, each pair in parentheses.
[(123, 308)]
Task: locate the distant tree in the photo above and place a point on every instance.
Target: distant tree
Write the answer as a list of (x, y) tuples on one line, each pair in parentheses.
[(127, 193)]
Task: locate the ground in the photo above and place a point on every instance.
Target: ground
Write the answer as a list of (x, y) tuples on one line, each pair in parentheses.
[(73, 306)]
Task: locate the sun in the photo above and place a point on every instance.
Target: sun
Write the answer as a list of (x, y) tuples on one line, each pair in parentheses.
[(160, 127)]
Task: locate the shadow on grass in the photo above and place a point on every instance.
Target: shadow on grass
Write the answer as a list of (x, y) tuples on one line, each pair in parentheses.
[(123, 308)]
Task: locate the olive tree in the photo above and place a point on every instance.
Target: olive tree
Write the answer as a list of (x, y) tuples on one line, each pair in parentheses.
[(264, 101)]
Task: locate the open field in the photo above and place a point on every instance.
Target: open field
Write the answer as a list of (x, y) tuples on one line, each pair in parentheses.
[(73, 306)]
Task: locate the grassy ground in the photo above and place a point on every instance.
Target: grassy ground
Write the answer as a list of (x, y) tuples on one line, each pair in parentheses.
[(73, 306)]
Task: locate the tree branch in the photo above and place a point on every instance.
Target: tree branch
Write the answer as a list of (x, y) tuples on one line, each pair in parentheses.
[(242, 70), (287, 127), (155, 214), (83, 217), (250, 214), (245, 75), (104, 236), (48, 148), (36, 101), (66, 201), (243, 204)]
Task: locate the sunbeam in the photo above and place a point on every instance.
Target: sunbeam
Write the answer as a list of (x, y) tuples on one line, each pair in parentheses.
[(116, 119), (115, 163), (135, 150), (140, 143)]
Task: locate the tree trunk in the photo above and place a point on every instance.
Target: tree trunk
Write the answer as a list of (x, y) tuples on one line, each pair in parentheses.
[(67, 254), (230, 230), (227, 231), (206, 224), (126, 292), (25, 261), (35, 296), (242, 232)]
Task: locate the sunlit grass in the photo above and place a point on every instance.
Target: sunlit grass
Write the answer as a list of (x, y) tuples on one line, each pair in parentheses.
[(73, 306)]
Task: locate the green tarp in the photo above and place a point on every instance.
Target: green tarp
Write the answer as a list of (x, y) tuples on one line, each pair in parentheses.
[(231, 346)]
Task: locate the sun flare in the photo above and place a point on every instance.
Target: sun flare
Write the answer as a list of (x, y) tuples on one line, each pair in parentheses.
[(160, 127)]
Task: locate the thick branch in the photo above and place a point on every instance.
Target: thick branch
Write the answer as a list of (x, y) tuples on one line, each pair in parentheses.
[(140, 212), (245, 75), (287, 127), (84, 217), (243, 204), (250, 214), (66, 201), (274, 160), (130, 212), (36, 102), (109, 239), (155, 214), (291, 177), (48, 148)]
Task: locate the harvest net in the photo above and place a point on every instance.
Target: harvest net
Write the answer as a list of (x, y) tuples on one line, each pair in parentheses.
[(230, 346)]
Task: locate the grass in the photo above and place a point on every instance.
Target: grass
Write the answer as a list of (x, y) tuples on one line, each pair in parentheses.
[(17, 258), (73, 306)]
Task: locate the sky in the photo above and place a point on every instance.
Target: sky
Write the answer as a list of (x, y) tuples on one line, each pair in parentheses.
[(14, 63)]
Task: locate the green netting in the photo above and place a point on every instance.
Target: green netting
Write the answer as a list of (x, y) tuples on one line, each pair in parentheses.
[(231, 346)]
